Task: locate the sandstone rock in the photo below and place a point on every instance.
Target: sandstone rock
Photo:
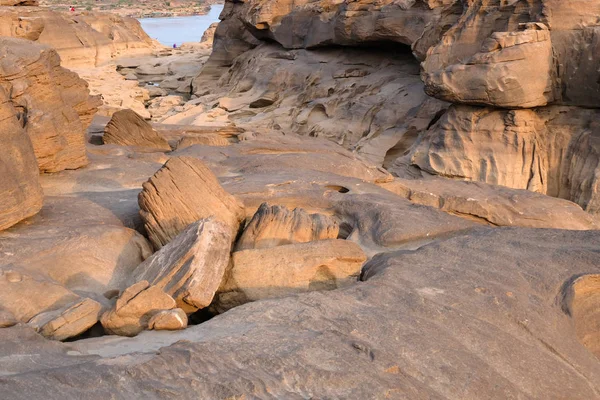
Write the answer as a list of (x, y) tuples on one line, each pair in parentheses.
[(155, 91), (496, 288), (549, 150), (580, 300), (277, 225), (168, 320), (284, 270), (53, 103), (344, 100), (134, 309), (127, 128), (190, 268), (495, 205), (76, 243), (205, 140), (161, 106), (512, 70), (69, 321), (20, 191), (26, 295), (183, 191), (82, 39), (7, 319)]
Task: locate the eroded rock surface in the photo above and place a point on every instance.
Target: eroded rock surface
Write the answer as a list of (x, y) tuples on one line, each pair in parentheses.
[(52, 103), (20, 191), (190, 268), (289, 269), (183, 191), (127, 128), (277, 225), (134, 309), (82, 40)]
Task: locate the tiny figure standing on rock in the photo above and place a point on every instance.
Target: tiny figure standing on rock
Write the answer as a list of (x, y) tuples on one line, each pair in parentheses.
[(174, 45)]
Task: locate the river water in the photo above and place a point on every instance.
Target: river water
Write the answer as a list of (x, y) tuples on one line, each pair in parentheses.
[(178, 30)]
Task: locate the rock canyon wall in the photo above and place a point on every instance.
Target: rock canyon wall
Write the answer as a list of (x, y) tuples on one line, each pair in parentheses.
[(527, 69)]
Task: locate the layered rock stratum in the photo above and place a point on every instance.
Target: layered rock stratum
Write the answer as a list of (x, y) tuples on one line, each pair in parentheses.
[(346, 200)]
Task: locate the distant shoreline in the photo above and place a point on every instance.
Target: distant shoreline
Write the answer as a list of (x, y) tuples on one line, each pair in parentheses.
[(193, 9)]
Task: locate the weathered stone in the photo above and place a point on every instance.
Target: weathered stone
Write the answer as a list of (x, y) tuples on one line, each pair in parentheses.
[(512, 70), (127, 128), (168, 320), (550, 150), (68, 321), (7, 319), (190, 268), (581, 301), (289, 269), (20, 191), (134, 309), (183, 191), (496, 205), (81, 39), (204, 140), (53, 104), (277, 225)]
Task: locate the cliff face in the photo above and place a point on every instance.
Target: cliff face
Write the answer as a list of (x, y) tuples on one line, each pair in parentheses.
[(53, 103), (527, 69), (82, 40)]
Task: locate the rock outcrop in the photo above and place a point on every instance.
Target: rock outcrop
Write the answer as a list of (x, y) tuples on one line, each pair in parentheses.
[(127, 128), (289, 269), (190, 268), (81, 40), (183, 191), (52, 103), (20, 191), (134, 309), (277, 225)]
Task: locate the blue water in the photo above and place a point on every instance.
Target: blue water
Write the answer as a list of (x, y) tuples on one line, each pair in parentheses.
[(178, 30)]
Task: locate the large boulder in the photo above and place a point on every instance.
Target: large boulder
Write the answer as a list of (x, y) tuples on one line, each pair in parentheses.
[(190, 268), (183, 191), (277, 225), (52, 103), (127, 128), (20, 191), (289, 269)]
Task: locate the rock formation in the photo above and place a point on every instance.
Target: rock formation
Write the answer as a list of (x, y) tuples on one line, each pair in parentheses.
[(81, 40), (276, 225), (288, 269), (381, 213), (52, 103), (127, 128), (134, 309), (20, 192), (183, 191), (190, 268)]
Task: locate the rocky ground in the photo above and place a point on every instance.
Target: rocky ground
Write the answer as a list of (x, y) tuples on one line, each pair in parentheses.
[(337, 200), (128, 8)]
